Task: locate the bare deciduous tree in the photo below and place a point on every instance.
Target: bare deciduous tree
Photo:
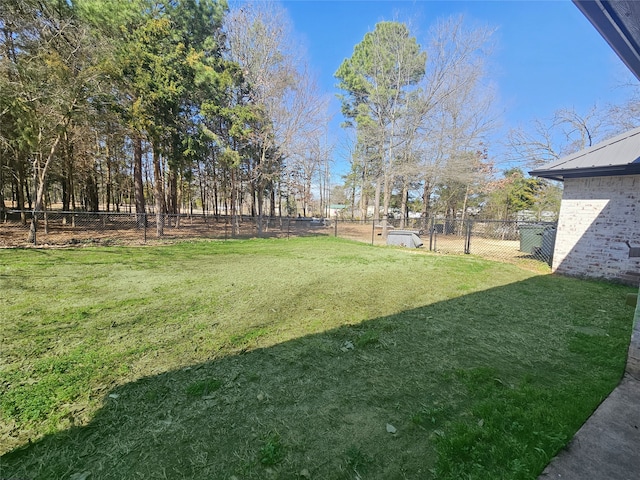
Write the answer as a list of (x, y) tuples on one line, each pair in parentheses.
[(567, 132), (261, 42), (457, 104)]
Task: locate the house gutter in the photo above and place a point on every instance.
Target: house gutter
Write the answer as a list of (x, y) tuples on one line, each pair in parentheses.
[(605, 16), (611, 170)]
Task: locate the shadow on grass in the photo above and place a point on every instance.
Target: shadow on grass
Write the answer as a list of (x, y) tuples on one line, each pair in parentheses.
[(487, 385)]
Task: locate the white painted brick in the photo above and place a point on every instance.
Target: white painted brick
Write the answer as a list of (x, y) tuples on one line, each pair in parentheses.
[(596, 217)]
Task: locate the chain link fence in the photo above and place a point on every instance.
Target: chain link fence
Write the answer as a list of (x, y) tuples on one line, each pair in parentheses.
[(56, 228), (500, 240), (495, 239)]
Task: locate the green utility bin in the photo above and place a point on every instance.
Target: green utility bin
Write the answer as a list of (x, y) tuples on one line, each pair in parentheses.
[(531, 237)]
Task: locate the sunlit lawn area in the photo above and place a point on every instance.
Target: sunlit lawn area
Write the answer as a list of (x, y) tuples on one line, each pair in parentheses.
[(312, 358)]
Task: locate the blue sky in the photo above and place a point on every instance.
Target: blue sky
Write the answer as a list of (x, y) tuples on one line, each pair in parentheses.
[(548, 55)]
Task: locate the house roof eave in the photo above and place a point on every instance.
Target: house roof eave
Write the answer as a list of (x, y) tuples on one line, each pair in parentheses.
[(618, 21), (607, 171)]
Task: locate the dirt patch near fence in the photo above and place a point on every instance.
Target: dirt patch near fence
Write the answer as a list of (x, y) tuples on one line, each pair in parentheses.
[(84, 229), (115, 230)]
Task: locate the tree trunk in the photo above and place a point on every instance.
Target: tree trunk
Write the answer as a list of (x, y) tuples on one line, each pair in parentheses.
[(92, 199), (203, 191), (158, 193), (138, 185), (235, 226), (386, 200), (404, 204), (376, 200), (216, 197), (172, 192), (272, 207), (464, 205), (260, 207), (2, 205), (389, 174), (426, 199), (72, 187), (363, 193), (108, 192), (40, 177), (20, 183), (66, 182)]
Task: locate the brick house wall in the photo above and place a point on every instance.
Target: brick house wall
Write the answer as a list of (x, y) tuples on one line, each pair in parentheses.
[(597, 216)]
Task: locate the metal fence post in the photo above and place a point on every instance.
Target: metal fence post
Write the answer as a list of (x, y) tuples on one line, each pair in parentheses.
[(335, 227), (432, 238), (467, 237), (34, 222), (144, 221)]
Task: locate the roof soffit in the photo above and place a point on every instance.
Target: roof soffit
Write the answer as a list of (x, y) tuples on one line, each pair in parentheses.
[(618, 21)]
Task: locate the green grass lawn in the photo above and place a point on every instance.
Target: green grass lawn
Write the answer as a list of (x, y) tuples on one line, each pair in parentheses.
[(310, 358)]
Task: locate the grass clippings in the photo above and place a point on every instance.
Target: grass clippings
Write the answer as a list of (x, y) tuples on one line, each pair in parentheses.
[(292, 359)]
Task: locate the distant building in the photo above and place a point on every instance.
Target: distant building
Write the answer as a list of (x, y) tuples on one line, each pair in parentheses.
[(336, 210)]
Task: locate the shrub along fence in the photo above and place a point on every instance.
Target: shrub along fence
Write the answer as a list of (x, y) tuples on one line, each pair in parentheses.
[(501, 240)]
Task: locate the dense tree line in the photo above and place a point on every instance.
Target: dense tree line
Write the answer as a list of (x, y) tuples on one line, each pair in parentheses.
[(153, 105), (173, 106)]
